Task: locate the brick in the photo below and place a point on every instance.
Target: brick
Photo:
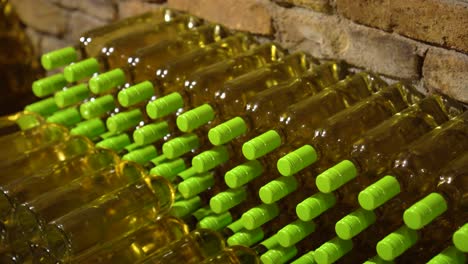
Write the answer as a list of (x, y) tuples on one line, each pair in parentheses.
[(248, 15), (374, 13), (79, 23), (127, 8), (49, 43), (446, 72), (326, 36), (317, 5), (47, 18), (442, 22), (102, 9)]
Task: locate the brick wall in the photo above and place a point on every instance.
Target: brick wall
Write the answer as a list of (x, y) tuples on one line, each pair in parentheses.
[(422, 41)]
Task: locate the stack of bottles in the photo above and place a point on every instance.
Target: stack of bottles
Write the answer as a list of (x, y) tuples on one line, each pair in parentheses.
[(163, 138)]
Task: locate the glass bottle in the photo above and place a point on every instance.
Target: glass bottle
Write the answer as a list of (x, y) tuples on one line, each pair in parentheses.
[(269, 103), (28, 187), (91, 42), (109, 217), (33, 215), (137, 245), (192, 248), (235, 255), (144, 62), (115, 53), (31, 162), (324, 104), (244, 86)]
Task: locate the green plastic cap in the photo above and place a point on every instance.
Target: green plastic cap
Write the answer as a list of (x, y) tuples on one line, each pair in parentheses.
[(377, 260), (89, 128), (336, 176), (210, 159), (332, 250), (142, 155), (161, 159), (278, 255), (44, 107), (188, 173), (106, 81), (261, 145), (460, 238), (227, 131), (271, 242), (224, 201), (49, 85), (151, 133), (28, 120), (242, 174), (246, 238), (379, 192), (123, 121), (307, 258), (354, 223), (424, 211), (116, 143), (184, 208), (195, 118), (315, 206), (295, 232), (67, 117), (169, 169), (394, 244), (195, 185), (277, 189), (165, 105), (259, 215), (296, 160), (72, 95), (136, 94), (177, 147), (80, 70), (216, 222), (59, 58), (97, 107), (450, 255)]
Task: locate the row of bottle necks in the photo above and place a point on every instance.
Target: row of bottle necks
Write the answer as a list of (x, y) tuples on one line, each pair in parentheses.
[(312, 118)]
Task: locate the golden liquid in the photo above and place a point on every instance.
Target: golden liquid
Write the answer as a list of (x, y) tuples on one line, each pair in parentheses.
[(93, 40), (191, 249), (109, 217), (145, 61), (137, 245), (202, 85), (17, 144), (235, 255), (117, 52), (33, 162), (27, 188), (19, 122), (174, 73)]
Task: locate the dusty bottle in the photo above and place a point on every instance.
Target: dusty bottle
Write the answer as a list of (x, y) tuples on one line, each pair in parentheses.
[(137, 245), (115, 53), (91, 42), (192, 248), (111, 216), (324, 104), (268, 104)]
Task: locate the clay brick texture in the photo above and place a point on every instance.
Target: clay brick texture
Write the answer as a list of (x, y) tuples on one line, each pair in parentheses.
[(422, 41)]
